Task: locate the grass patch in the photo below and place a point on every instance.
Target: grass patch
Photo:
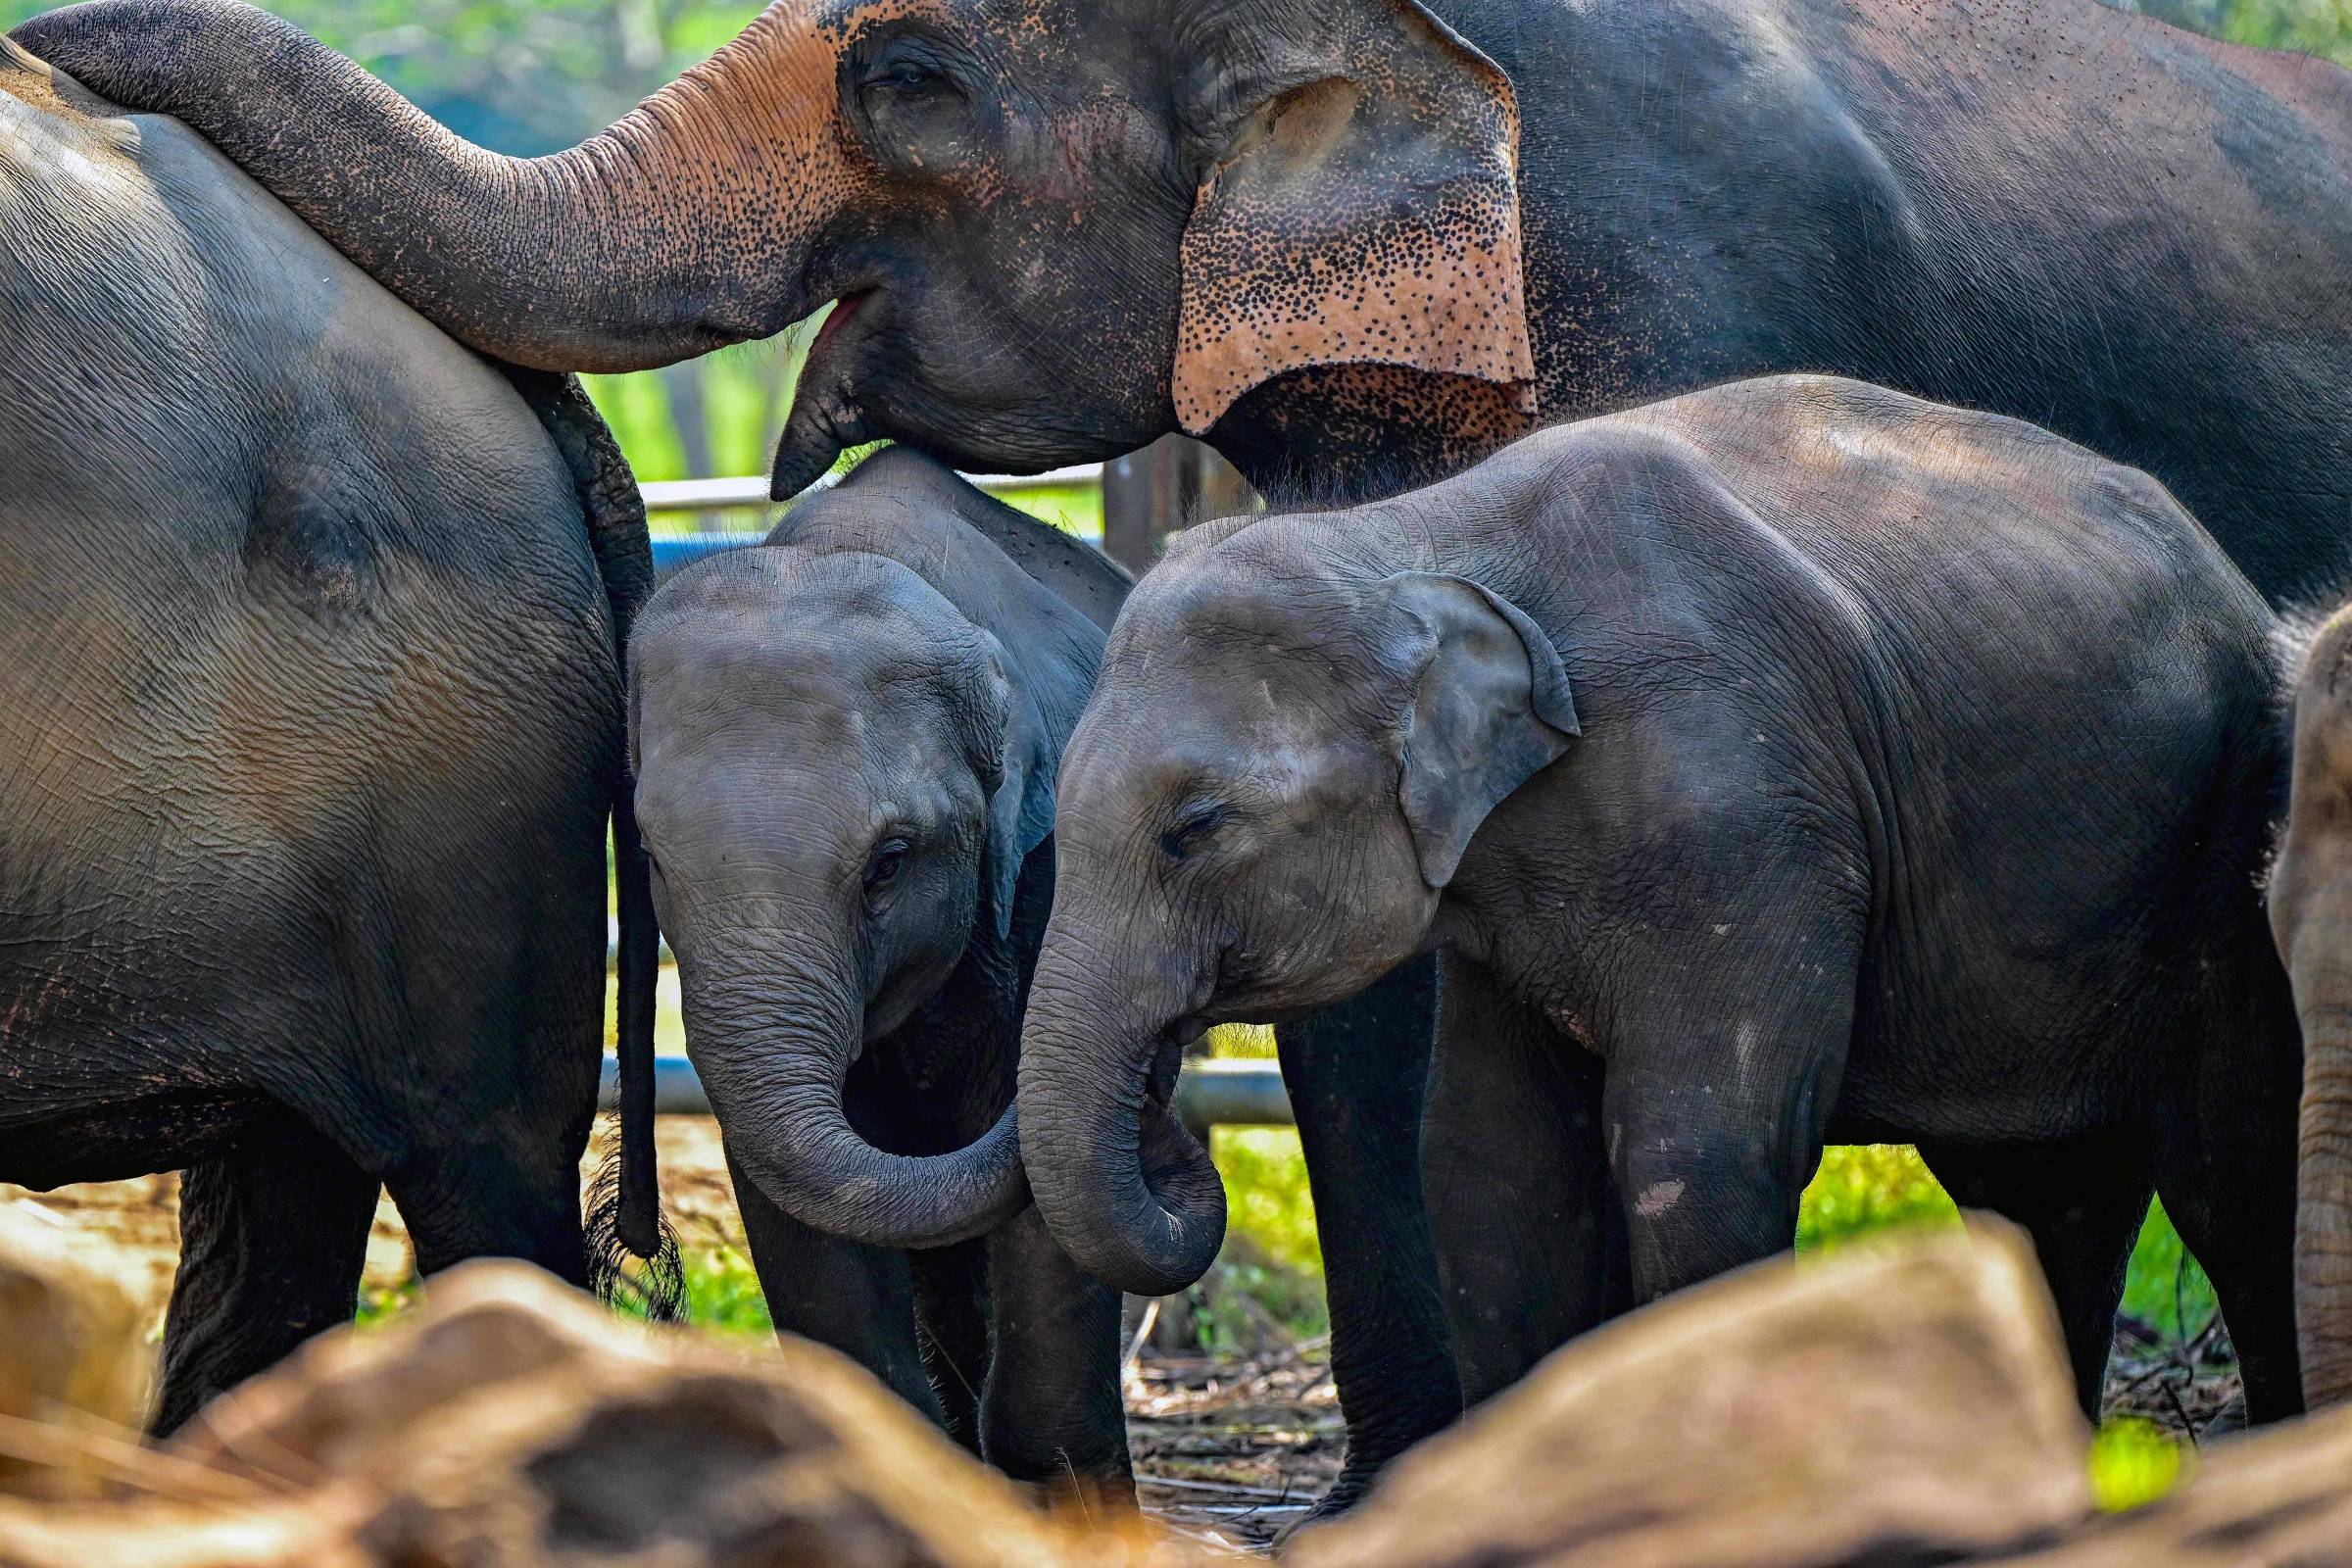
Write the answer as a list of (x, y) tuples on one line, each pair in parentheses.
[(722, 1294), (1266, 1196), (2133, 1463), (2166, 1286), (1869, 1190), (380, 1303)]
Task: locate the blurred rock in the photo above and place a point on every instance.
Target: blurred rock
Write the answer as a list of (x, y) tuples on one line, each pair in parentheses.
[(512, 1422), (2277, 1497), (72, 1353), (1899, 1405)]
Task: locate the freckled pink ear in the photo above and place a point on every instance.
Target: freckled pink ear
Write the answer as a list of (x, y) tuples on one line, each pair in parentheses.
[(1363, 207)]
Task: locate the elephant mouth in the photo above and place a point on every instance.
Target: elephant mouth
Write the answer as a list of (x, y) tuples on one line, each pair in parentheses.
[(824, 416), (845, 310)]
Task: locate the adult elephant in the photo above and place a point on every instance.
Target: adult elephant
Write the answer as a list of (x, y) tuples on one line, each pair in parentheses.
[(1351, 241), (310, 730)]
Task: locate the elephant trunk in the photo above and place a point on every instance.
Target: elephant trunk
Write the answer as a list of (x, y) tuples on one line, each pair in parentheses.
[(773, 1036), (2324, 1204), (1124, 1187), (658, 239), (2311, 919)]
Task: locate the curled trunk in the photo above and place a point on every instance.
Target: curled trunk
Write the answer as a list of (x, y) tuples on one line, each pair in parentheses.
[(774, 1035), (1124, 1187), (663, 237)]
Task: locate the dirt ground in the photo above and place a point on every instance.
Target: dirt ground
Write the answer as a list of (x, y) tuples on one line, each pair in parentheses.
[(1227, 1449)]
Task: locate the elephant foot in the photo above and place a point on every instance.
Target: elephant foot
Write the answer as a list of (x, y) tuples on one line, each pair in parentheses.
[(1353, 1483)]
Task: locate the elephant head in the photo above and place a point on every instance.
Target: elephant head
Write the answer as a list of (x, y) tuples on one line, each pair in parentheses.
[(2310, 915), (1289, 752), (1049, 229), (839, 776)]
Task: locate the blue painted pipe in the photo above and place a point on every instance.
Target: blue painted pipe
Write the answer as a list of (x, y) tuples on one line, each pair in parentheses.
[(672, 552)]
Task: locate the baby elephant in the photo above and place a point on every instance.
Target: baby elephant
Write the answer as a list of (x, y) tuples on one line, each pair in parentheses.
[(845, 743), (1790, 762), (2311, 912)]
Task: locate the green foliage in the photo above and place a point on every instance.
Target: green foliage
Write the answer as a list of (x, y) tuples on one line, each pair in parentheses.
[(1266, 1196), (718, 416), (722, 1294), (381, 1303), (1248, 1302), (518, 75), (2166, 1288), (2135, 1462), (2321, 27), (1242, 1041), (1869, 1189)]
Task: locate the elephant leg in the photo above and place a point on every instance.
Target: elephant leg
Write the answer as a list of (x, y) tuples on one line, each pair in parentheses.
[(1722, 1077), (272, 1236), (2227, 1170), (856, 1298), (1356, 1073), (2082, 1202), (483, 1201), (1517, 1174), (1052, 1410)]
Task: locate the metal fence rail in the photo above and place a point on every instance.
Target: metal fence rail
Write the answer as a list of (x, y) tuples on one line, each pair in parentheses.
[(1229, 1094), (751, 490), (669, 497)]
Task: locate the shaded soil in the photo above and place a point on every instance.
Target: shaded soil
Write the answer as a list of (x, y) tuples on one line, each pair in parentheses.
[(1230, 1448)]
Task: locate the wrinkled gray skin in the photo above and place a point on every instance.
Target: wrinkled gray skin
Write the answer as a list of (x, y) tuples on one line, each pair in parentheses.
[(846, 743), (1784, 763), (1030, 214), (310, 726)]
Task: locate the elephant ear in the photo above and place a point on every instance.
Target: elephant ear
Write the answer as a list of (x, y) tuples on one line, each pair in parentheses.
[(1006, 741), (1486, 708), (1359, 204)]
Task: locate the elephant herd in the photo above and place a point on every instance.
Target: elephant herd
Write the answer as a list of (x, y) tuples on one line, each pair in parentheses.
[(1788, 615)]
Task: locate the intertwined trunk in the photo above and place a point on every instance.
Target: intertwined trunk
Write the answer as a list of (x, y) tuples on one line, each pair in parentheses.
[(1125, 1188)]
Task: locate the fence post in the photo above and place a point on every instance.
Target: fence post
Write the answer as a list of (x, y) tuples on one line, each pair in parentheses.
[(1170, 484)]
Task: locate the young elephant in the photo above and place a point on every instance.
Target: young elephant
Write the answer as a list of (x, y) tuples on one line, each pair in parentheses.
[(1788, 763), (845, 744), (2311, 913)]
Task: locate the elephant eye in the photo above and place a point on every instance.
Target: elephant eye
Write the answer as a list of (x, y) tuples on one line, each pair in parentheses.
[(905, 75), (1196, 825), (883, 867)]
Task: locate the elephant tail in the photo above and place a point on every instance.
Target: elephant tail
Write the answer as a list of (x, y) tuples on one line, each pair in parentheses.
[(624, 1202), (623, 1212)]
